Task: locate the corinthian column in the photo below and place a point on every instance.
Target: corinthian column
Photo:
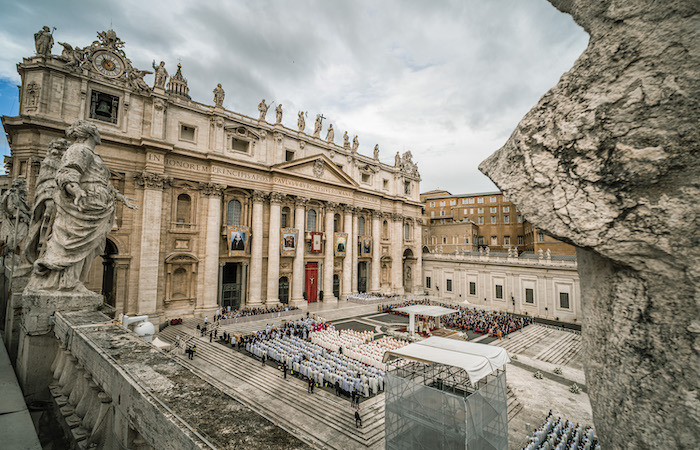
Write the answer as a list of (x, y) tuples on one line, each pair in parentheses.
[(376, 252), (328, 261), (273, 250), (397, 255), (208, 302), (418, 272), (298, 265), (349, 251), (353, 244), (149, 258), (256, 250)]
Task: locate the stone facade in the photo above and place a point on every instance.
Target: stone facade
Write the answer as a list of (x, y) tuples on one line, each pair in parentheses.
[(199, 173), (544, 288)]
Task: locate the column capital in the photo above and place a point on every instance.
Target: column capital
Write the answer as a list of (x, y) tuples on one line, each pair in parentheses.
[(150, 180), (300, 201), (377, 214), (348, 209), (276, 197), (396, 217), (331, 206), (259, 196), (211, 189)]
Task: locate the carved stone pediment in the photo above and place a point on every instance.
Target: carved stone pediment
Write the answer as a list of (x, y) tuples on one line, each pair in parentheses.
[(319, 167)]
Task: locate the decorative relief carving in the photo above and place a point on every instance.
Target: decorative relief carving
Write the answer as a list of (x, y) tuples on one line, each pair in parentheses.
[(259, 196), (302, 144), (377, 214), (332, 206), (319, 167), (217, 121), (276, 197), (159, 104), (33, 89), (209, 189), (300, 201), (152, 180), (396, 217)]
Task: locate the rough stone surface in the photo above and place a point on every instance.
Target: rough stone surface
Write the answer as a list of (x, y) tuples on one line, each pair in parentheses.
[(608, 161)]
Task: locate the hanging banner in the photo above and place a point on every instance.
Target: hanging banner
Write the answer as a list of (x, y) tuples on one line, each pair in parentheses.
[(365, 245), (316, 242), (288, 241), (341, 243), (237, 238)]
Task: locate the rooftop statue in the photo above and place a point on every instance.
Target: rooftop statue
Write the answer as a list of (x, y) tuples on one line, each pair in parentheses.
[(161, 75), (41, 220), (219, 96), (278, 114), (301, 122), (43, 41), (84, 214), (318, 125), (135, 79), (330, 136), (262, 107), (72, 56), (346, 141), (376, 152), (14, 214), (355, 144)]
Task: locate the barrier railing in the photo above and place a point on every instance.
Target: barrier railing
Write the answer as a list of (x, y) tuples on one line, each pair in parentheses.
[(256, 317)]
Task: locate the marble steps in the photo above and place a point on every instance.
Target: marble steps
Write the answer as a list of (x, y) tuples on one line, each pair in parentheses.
[(562, 351), (334, 414), (522, 340), (514, 405)]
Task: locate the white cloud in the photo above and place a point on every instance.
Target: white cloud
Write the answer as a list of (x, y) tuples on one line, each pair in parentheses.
[(447, 80)]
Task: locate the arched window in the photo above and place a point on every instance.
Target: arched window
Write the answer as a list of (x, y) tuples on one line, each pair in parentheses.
[(361, 226), (311, 220), (385, 230), (180, 283), (406, 232), (336, 223), (184, 209), (233, 213)]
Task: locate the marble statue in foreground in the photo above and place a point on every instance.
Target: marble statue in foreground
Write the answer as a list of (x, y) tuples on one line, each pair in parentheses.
[(84, 214)]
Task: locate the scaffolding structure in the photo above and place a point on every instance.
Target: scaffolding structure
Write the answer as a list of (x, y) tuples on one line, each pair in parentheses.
[(431, 406)]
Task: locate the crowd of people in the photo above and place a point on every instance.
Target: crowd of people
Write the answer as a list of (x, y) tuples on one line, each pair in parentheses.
[(244, 312), (358, 345), (391, 308), (558, 434), (485, 322)]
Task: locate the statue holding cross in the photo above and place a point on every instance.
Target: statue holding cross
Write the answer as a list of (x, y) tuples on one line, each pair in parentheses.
[(318, 125)]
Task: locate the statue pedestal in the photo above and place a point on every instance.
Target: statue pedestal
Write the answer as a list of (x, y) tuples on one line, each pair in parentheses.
[(37, 342)]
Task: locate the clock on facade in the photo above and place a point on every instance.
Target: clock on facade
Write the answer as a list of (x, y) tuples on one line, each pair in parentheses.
[(108, 64)]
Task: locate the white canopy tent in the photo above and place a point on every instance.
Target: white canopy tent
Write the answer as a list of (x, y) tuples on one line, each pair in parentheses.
[(425, 311), (478, 360)]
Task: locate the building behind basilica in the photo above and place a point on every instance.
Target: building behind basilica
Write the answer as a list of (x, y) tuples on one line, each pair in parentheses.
[(233, 210)]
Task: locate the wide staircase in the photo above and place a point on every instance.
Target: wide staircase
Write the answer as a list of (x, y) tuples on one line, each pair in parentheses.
[(321, 419), (514, 406), (520, 341), (563, 351)]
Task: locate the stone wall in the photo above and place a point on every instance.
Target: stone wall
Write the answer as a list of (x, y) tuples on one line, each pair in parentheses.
[(608, 161)]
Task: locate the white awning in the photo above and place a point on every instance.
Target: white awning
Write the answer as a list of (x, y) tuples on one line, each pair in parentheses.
[(427, 310), (478, 360)]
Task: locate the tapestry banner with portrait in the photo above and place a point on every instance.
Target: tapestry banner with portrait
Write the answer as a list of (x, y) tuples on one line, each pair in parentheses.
[(341, 243), (316, 242), (365, 246), (237, 238), (288, 241)]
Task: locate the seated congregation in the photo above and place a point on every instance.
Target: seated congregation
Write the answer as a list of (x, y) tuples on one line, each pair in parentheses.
[(558, 434)]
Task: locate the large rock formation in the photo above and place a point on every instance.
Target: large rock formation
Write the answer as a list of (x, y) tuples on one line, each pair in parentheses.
[(608, 161)]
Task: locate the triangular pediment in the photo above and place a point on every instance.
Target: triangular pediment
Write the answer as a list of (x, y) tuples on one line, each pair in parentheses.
[(317, 167)]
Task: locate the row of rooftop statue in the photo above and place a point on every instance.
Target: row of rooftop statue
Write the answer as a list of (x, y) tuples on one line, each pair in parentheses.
[(76, 58), (73, 211)]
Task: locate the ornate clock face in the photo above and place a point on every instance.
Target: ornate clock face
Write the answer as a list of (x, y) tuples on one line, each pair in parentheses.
[(108, 64)]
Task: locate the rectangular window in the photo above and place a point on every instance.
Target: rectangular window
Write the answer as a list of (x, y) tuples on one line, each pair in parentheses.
[(481, 240), (471, 201), (283, 220), (471, 210), (493, 200), (466, 240), (442, 203), (506, 240), (540, 236), (442, 213), (239, 145), (289, 155), (453, 202), (187, 133), (449, 285), (472, 288), (521, 240), (432, 213), (444, 239), (529, 295), (506, 219), (385, 184), (466, 211), (493, 210), (104, 107), (481, 220), (494, 240), (365, 178), (427, 282), (506, 209), (464, 201), (494, 219), (480, 200), (564, 300), (520, 218), (432, 204), (480, 210), (499, 292)]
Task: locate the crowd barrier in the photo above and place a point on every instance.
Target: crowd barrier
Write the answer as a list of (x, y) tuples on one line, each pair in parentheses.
[(256, 317)]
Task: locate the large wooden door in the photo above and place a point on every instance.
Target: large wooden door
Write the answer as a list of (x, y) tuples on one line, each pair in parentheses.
[(311, 282)]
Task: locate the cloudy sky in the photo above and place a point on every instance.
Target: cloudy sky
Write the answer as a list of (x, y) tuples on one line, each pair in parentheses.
[(448, 80)]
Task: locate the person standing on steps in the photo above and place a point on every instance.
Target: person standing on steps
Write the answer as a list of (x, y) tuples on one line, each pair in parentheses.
[(211, 336), (263, 360), (358, 419)]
